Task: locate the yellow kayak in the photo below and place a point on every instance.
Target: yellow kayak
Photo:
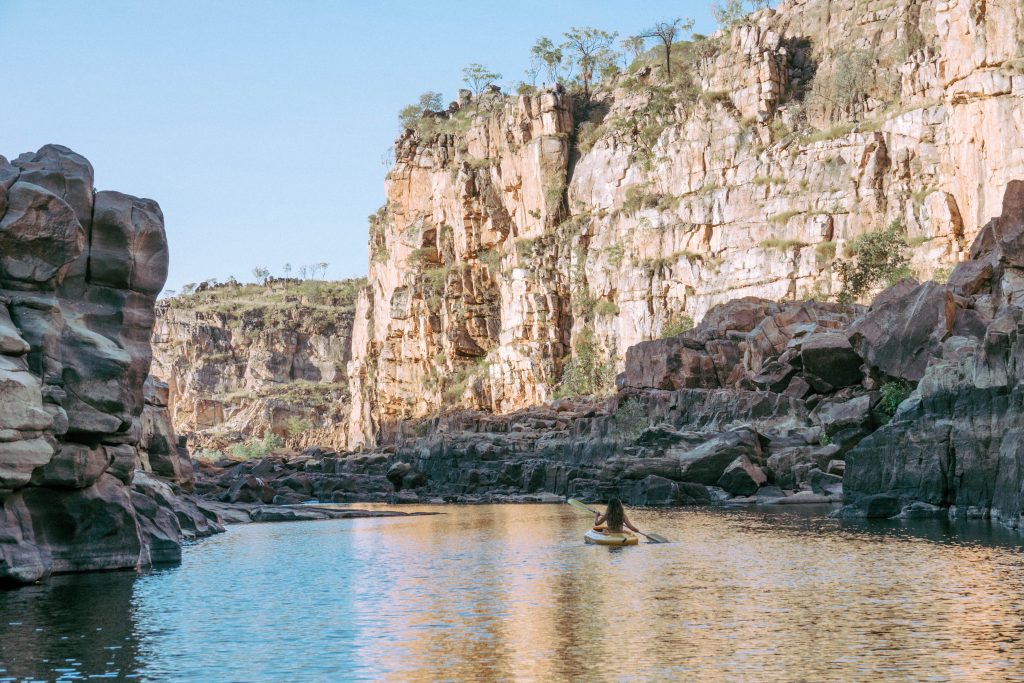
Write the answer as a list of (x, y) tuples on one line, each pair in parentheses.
[(600, 535)]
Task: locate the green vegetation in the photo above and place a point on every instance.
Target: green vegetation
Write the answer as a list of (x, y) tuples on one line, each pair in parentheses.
[(588, 373), (378, 223), (587, 133), (630, 419), (782, 245), (676, 323), (825, 251), (423, 255), (666, 32), (848, 82), (729, 13), (639, 197), (606, 308), (837, 131), (314, 305), (477, 77), (411, 114), (893, 394), (257, 448), (879, 258), (297, 425), (783, 217), (615, 253), (208, 456)]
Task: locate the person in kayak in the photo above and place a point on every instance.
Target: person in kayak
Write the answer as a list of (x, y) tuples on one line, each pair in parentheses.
[(614, 517)]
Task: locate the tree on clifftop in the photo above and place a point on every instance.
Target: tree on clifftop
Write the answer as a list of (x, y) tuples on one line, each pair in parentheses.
[(478, 77), (591, 51), (666, 32), (410, 115), (261, 273), (546, 54)]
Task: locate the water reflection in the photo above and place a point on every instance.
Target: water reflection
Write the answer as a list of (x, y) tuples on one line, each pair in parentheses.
[(511, 593), (69, 626)]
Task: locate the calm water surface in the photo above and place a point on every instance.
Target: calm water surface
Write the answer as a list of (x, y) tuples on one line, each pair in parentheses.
[(511, 593)]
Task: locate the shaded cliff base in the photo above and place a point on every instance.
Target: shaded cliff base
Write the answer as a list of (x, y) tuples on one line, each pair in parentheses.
[(912, 407)]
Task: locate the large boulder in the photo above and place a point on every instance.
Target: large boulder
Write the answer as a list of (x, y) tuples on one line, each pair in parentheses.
[(898, 337), (706, 463), (830, 357), (742, 477)]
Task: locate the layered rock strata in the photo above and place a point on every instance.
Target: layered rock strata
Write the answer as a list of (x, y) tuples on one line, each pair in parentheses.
[(911, 407), (517, 229), (79, 275), (241, 362)]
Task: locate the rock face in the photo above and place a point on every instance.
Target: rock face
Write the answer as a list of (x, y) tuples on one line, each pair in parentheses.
[(958, 442), (531, 229), (912, 407), (241, 362), (79, 275)]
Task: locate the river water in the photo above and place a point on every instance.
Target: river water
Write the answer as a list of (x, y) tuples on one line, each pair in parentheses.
[(500, 592)]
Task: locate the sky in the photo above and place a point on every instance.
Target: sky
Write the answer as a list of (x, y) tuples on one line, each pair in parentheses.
[(260, 127)]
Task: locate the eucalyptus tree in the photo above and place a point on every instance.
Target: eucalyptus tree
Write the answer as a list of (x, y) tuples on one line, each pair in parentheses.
[(666, 32), (590, 48)]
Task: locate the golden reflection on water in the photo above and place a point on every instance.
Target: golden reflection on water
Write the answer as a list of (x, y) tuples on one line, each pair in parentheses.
[(511, 593), (496, 593)]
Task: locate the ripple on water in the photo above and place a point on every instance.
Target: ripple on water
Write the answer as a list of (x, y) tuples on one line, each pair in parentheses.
[(510, 592)]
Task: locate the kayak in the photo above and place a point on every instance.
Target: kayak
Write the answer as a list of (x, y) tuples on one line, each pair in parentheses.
[(600, 535)]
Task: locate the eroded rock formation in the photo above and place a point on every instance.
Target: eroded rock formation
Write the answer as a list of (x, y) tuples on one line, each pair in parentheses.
[(241, 362), (529, 224), (79, 275), (912, 407)]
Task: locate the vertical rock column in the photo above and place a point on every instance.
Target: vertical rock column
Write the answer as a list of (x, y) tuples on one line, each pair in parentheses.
[(79, 275)]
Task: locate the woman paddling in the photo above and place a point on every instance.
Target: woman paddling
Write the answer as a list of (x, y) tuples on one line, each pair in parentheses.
[(614, 517)]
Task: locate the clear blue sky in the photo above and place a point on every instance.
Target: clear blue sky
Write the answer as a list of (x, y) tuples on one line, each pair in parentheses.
[(260, 126)]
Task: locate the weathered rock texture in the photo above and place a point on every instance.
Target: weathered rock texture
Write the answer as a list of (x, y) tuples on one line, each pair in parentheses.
[(241, 362), (79, 275), (911, 407), (958, 442), (523, 227)]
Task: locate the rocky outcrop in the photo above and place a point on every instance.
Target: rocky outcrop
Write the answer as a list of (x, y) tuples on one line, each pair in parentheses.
[(910, 407), (239, 363), (79, 275), (955, 445), (522, 232)]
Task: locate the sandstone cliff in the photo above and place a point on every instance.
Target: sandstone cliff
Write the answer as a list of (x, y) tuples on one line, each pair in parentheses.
[(242, 362), (522, 232), (911, 408), (79, 275)]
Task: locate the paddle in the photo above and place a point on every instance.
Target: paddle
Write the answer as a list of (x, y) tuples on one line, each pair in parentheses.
[(653, 538)]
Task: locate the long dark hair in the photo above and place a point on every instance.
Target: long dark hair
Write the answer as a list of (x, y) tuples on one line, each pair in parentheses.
[(614, 514)]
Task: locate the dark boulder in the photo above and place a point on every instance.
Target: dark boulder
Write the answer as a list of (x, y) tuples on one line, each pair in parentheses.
[(706, 463), (829, 356), (742, 477), (898, 337)]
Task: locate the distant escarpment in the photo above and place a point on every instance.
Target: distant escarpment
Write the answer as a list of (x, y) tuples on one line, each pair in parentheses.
[(527, 242), (79, 275), (249, 365), (912, 407)]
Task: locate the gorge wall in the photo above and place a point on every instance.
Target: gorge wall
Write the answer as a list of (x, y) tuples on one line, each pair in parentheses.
[(520, 233), (245, 361), (79, 275)]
